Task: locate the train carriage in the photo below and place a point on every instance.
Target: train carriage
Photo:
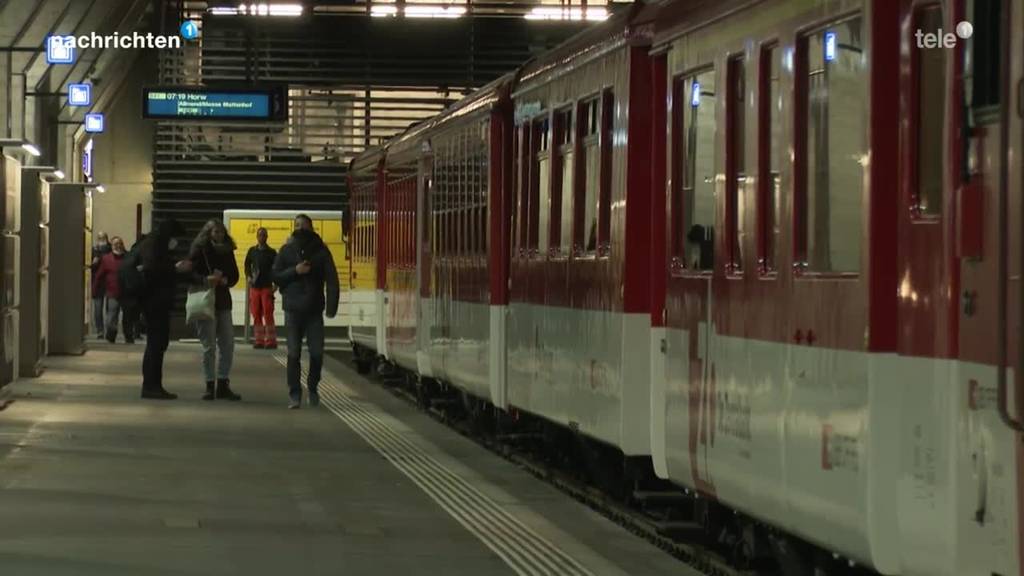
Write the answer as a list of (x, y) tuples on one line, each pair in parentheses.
[(578, 313), (819, 366), (364, 264)]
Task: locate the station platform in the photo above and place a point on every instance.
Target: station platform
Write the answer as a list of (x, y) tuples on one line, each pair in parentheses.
[(96, 481)]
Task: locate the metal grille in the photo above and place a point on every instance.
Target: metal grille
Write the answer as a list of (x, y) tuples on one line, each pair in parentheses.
[(353, 82)]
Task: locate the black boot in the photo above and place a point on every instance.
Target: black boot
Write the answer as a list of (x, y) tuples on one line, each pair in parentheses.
[(209, 391), (224, 390)]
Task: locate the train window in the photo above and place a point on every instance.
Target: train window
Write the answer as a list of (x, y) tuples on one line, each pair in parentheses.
[(604, 211), (982, 60), (542, 186), (735, 162), (770, 148), (697, 198), (516, 179), (833, 148), (930, 68), (561, 201), (589, 176)]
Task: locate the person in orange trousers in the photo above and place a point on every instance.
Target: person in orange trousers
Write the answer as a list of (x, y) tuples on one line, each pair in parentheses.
[(259, 272)]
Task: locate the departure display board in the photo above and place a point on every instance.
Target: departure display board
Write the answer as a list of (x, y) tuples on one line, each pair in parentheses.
[(191, 103)]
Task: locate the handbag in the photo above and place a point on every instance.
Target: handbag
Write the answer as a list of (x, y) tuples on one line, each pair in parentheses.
[(201, 304)]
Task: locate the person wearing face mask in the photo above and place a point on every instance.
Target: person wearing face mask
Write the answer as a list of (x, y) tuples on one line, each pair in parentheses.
[(99, 250), (213, 264), (305, 272), (105, 281), (161, 274)]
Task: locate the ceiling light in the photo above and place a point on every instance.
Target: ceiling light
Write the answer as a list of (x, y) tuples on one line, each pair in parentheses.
[(59, 174), (31, 149), (383, 11), (434, 11)]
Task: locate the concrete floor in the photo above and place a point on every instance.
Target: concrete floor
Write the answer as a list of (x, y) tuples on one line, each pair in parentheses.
[(95, 481)]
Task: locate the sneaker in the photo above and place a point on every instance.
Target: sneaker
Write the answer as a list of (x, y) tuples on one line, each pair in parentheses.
[(294, 404), (159, 394), (314, 399)]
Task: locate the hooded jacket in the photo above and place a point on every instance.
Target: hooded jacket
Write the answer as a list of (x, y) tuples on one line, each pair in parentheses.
[(304, 294)]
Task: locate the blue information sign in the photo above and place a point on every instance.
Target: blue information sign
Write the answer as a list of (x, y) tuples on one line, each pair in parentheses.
[(193, 103)]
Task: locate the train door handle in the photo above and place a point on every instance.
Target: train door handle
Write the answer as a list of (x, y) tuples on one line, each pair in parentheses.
[(970, 298)]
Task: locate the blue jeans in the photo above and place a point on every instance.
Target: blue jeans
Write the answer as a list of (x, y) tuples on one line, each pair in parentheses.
[(311, 327), (97, 315), (221, 337)]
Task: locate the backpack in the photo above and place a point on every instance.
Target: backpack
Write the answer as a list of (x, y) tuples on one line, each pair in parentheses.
[(131, 280)]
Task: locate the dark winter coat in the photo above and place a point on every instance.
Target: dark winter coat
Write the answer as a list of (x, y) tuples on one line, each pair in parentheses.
[(259, 266), (207, 258), (98, 252), (304, 294), (158, 266)]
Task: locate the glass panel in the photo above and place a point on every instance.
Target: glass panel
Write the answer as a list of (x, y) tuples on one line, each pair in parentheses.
[(836, 147), (568, 165), (737, 192), (774, 184), (931, 110), (699, 168), (593, 177)]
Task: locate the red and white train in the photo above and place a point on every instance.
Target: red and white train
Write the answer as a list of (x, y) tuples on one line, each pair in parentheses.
[(775, 246)]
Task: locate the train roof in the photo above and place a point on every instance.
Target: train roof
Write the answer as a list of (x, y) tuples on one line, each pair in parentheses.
[(589, 44), (482, 99), (366, 160), (669, 19)]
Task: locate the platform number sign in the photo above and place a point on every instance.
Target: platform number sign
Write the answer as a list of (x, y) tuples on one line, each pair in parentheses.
[(695, 95)]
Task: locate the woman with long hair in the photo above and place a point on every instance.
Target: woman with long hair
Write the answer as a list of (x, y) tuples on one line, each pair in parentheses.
[(213, 265)]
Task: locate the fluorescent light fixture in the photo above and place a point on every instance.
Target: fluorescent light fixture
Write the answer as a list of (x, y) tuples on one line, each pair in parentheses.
[(262, 9), (412, 11), (59, 174), (556, 13), (31, 149), (98, 187), (380, 11), (695, 95), (223, 11)]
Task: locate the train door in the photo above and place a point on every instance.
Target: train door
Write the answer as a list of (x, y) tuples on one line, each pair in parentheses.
[(689, 373), (959, 241), (424, 260)]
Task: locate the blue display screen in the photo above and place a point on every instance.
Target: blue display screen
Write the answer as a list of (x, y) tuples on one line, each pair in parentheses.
[(170, 103)]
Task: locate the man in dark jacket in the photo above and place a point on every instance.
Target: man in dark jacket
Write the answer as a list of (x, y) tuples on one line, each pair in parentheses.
[(161, 275), (301, 270), (259, 275)]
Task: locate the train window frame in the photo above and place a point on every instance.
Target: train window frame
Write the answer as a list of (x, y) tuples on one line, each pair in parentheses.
[(537, 150), (588, 140), (735, 150), (604, 211), (683, 170), (769, 190), (562, 141), (801, 119)]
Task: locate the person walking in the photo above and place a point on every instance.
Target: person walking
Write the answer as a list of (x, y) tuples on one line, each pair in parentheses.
[(259, 275), (160, 274), (105, 280), (213, 265), (99, 250), (302, 269)]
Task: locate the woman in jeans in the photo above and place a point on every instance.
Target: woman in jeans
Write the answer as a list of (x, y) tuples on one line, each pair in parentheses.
[(213, 265)]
